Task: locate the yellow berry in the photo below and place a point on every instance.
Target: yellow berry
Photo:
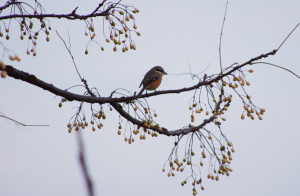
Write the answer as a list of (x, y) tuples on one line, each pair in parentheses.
[(201, 163), (2, 65), (3, 74), (86, 52), (250, 70), (12, 58)]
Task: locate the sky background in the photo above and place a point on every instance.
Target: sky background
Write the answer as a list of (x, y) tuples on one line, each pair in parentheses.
[(44, 160)]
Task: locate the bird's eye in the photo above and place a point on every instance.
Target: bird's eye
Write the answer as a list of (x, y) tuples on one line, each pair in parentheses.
[(160, 70)]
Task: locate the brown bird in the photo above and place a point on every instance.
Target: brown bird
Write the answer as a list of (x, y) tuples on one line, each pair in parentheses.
[(152, 79)]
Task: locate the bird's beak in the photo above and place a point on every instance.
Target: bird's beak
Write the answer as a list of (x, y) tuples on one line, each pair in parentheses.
[(165, 73)]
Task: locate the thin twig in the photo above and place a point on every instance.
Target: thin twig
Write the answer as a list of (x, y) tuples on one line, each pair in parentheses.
[(278, 67), (22, 123)]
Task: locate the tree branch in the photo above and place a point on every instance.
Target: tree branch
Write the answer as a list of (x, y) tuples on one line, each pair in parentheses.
[(71, 16), (9, 3), (17, 74)]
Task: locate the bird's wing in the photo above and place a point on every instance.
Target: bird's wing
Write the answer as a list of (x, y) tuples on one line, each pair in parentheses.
[(150, 77)]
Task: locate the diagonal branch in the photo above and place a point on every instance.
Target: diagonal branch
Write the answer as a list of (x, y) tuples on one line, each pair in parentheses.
[(17, 74)]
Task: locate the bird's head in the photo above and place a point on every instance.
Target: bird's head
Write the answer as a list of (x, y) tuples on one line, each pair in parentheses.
[(159, 70)]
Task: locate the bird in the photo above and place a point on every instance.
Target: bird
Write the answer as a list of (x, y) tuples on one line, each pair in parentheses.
[(152, 79)]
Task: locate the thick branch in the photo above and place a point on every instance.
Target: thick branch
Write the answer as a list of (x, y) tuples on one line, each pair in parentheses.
[(17, 74)]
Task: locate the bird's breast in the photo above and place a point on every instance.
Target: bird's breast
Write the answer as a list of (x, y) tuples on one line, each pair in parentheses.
[(155, 84)]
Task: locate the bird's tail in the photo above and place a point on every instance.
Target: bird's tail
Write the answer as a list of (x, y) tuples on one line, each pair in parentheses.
[(140, 93)]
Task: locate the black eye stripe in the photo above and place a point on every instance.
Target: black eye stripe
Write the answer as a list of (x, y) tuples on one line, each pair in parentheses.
[(160, 70)]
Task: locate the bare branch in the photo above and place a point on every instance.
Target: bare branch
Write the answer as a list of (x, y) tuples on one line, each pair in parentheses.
[(71, 16), (17, 74), (21, 123)]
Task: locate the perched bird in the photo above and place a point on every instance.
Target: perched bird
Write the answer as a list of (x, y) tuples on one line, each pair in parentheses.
[(152, 79)]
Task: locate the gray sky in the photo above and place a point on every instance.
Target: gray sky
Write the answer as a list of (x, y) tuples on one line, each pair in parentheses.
[(43, 160)]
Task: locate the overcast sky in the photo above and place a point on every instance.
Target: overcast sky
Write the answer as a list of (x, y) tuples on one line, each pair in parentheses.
[(44, 160)]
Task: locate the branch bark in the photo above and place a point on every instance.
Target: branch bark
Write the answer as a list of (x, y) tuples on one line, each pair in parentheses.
[(115, 102), (18, 74), (71, 16)]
